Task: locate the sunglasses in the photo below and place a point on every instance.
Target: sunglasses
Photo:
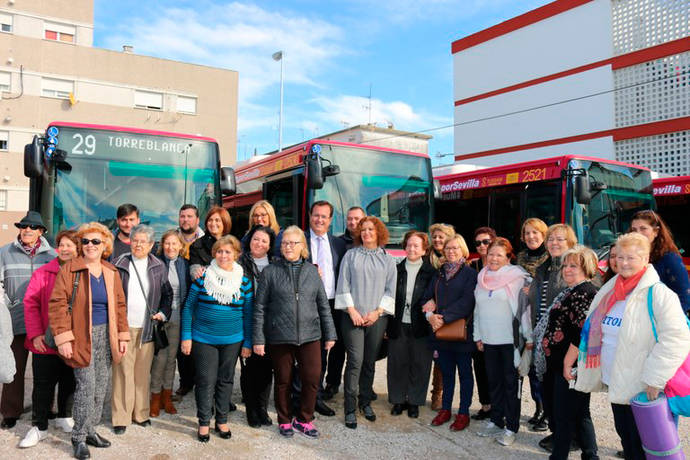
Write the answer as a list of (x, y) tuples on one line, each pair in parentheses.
[(86, 241), (485, 242), (32, 227)]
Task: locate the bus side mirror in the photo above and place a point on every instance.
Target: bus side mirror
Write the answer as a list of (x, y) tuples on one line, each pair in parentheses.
[(33, 159), (582, 191), (312, 163), (228, 185)]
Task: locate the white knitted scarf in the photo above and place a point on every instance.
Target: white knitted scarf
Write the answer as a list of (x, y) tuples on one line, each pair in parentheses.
[(224, 285)]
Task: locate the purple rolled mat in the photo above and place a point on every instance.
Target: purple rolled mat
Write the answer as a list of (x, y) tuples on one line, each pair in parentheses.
[(657, 428)]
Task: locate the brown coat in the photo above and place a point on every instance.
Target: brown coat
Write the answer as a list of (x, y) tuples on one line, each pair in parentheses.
[(76, 328)]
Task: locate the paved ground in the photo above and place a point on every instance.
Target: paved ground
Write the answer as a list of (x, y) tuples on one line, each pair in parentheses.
[(173, 437)]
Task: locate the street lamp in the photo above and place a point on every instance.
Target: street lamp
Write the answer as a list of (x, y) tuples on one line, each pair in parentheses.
[(278, 56)]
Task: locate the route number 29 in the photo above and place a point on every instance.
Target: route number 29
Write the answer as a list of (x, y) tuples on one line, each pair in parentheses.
[(84, 144)]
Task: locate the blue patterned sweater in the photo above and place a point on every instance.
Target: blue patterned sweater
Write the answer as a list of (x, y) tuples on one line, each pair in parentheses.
[(207, 321)]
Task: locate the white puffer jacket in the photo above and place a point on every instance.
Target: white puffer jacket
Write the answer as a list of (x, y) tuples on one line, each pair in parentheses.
[(640, 360)]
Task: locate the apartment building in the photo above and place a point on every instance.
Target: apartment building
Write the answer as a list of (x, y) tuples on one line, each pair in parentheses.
[(604, 78), (50, 71)]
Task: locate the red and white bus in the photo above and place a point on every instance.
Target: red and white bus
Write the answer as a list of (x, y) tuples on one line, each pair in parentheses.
[(672, 196), (394, 185), (597, 197), (82, 172)]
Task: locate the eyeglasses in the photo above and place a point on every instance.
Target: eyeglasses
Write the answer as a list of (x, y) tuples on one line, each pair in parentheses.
[(32, 227), (485, 242), (95, 241), (559, 239), (290, 244)]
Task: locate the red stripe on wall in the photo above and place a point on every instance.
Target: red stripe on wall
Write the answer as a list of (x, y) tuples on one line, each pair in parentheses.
[(619, 134), (518, 22), (626, 60)]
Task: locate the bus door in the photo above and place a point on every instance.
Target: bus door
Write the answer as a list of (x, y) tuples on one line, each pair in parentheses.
[(505, 212), (286, 193)]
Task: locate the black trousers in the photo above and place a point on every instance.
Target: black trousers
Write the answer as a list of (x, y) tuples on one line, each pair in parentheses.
[(335, 361), (50, 370), (480, 376), (255, 381), (570, 416), (215, 372), (503, 384), (626, 428), (186, 368)]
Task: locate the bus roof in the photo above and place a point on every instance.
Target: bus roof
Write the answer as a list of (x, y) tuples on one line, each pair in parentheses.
[(292, 156), (122, 129), (672, 186), (528, 171)]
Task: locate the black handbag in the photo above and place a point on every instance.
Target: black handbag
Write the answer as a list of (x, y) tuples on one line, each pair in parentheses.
[(49, 338), (160, 338)]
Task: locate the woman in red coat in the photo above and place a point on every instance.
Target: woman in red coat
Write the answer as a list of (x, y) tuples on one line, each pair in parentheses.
[(48, 369)]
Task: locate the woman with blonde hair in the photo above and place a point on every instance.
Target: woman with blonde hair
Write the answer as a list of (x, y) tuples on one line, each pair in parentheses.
[(546, 285), (450, 297), (553, 334), (170, 253), (88, 317), (618, 350), (292, 322), (438, 235), (262, 214)]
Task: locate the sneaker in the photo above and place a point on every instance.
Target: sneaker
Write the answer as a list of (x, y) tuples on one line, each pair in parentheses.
[(490, 429), (286, 430), (33, 437), (65, 424), (507, 438), (306, 428)]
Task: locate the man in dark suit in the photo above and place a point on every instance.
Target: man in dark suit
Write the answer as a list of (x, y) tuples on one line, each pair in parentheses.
[(326, 251), (354, 215)]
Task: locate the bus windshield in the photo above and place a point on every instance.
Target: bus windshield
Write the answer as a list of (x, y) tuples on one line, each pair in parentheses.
[(395, 187), (620, 192), (105, 169)]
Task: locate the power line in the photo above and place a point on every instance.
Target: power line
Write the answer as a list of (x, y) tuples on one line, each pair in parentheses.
[(530, 109)]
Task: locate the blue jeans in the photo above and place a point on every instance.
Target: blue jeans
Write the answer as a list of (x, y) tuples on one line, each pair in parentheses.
[(449, 360)]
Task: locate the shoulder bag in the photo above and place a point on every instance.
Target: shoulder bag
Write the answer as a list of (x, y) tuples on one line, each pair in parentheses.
[(160, 338), (677, 389), (455, 331), (49, 338)]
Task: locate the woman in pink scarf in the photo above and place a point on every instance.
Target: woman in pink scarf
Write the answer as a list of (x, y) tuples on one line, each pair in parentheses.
[(501, 315)]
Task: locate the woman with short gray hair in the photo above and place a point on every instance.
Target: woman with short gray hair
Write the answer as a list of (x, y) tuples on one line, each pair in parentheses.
[(149, 299)]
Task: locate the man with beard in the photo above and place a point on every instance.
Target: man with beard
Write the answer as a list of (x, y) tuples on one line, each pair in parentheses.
[(354, 215), (190, 231), (189, 226), (127, 219)]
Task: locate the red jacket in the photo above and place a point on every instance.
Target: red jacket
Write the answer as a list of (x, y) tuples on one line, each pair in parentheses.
[(36, 304)]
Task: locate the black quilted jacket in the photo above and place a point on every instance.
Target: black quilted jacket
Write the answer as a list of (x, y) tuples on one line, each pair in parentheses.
[(285, 316)]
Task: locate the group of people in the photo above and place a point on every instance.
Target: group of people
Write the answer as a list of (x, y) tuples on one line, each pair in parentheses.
[(109, 316)]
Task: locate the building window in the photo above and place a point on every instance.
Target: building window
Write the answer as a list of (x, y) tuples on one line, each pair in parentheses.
[(148, 100), (5, 23), (186, 104), (5, 80), (4, 140), (52, 87), (3, 200), (59, 32)]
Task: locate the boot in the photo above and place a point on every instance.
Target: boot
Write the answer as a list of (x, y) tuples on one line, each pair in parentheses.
[(436, 388), (166, 400), (155, 409), (537, 414)]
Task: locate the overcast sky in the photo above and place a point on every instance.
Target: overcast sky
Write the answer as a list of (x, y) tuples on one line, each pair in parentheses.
[(334, 53)]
